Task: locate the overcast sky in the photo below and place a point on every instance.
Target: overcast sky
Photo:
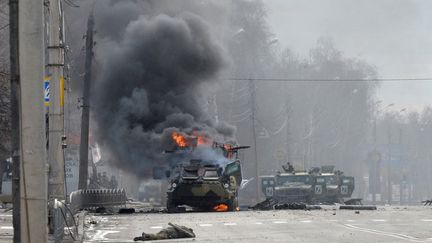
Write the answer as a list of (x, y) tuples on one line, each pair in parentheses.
[(393, 35)]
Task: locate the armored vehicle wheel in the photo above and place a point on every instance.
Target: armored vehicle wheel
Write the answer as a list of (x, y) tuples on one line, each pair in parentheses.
[(232, 205), (170, 205)]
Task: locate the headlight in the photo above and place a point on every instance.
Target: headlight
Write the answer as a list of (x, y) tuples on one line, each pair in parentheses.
[(174, 185), (226, 185)]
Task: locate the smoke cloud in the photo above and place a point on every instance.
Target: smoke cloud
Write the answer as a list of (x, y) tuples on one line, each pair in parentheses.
[(155, 70)]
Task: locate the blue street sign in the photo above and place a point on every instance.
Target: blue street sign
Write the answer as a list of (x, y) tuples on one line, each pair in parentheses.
[(46, 93)]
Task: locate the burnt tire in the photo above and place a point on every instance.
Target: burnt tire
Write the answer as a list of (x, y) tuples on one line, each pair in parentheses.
[(232, 205), (171, 205)]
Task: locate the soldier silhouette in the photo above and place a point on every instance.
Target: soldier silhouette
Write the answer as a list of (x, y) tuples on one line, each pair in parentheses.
[(288, 168)]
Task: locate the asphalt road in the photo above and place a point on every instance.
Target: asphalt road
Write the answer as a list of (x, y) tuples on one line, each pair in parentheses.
[(387, 224)]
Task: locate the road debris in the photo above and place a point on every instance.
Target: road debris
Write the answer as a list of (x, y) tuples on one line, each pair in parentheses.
[(271, 203), (153, 210), (267, 204), (92, 222), (126, 210), (174, 231), (427, 202), (358, 207)]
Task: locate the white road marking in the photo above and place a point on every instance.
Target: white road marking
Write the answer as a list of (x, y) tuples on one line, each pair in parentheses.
[(205, 225), (258, 223), (111, 228), (350, 220), (156, 227), (306, 221), (426, 220), (5, 215), (379, 220), (229, 224), (280, 222), (6, 227), (379, 232), (100, 234)]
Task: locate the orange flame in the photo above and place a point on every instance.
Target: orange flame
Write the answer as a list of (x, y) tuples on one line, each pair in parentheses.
[(228, 148), (221, 207), (202, 140), (180, 140)]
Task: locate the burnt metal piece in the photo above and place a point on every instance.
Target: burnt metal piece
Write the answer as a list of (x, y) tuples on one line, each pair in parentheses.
[(126, 210), (427, 202), (357, 207), (267, 204)]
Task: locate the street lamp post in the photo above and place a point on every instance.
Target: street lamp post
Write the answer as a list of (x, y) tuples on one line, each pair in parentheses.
[(389, 167), (389, 186), (375, 175), (374, 179), (401, 184)]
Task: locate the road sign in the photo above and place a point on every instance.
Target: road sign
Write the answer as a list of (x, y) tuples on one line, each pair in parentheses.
[(46, 94)]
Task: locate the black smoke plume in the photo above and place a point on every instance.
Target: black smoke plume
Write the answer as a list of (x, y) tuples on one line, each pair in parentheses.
[(155, 71)]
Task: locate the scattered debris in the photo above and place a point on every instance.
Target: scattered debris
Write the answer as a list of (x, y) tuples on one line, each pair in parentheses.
[(126, 210), (290, 206), (354, 201), (92, 222), (153, 210), (313, 207), (100, 210), (173, 232), (357, 212), (271, 203), (357, 207), (427, 202), (267, 204)]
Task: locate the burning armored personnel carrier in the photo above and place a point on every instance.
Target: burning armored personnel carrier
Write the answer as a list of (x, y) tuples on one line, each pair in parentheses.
[(319, 185), (205, 176)]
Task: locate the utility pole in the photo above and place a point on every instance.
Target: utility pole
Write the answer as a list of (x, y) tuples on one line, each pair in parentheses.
[(33, 213), (56, 178), (288, 132), (253, 110), (15, 117), (389, 184), (374, 176), (85, 117)]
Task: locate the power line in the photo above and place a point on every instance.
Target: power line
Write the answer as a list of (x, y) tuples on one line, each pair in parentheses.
[(4, 26), (329, 80)]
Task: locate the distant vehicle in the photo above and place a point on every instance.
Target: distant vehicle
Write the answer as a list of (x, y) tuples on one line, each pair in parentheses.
[(319, 185), (289, 187), (205, 178)]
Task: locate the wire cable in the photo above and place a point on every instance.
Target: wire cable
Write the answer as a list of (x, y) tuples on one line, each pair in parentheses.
[(67, 225), (4, 26), (329, 80), (72, 215)]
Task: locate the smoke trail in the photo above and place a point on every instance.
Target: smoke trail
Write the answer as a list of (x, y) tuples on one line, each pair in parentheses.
[(151, 84)]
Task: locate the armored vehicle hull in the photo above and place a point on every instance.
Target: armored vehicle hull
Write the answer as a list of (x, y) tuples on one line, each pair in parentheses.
[(201, 195), (311, 187)]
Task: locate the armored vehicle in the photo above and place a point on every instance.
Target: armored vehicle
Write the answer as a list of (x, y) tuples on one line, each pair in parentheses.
[(319, 185), (289, 187), (326, 188), (208, 181)]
